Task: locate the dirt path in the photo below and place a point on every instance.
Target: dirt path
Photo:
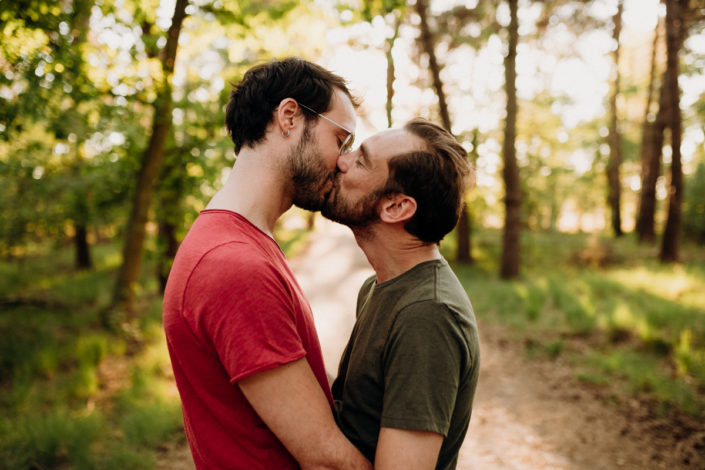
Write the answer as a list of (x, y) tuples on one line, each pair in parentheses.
[(528, 414)]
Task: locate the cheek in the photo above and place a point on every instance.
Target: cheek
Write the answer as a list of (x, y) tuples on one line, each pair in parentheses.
[(331, 160), (353, 184)]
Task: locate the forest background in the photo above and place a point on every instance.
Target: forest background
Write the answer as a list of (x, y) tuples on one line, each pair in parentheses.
[(585, 121)]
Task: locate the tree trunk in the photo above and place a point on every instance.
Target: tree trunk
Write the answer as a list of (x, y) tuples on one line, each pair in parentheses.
[(169, 193), (615, 160), (670, 246), (464, 253), (652, 169), (651, 144), (169, 245), (512, 224), (123, 295), (463, 227), (83, 254), (388, 46), (429, 48), (80, 217), (464, 233), (80, 24)]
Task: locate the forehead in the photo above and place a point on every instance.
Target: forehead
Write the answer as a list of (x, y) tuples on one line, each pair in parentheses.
[(387, 144)]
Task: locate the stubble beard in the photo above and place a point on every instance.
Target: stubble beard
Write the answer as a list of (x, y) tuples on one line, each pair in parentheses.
[(358, 215), (309, 174)]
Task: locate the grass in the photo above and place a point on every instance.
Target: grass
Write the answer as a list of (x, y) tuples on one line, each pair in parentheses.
[(71, 396), (56, 410), (642, 323)]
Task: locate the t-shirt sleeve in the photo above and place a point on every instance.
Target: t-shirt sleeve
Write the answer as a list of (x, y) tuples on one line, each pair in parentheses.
[(244, 310), (422, 362)]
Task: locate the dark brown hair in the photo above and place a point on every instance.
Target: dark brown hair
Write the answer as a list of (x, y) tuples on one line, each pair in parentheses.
[(254, 99), (435, 177)]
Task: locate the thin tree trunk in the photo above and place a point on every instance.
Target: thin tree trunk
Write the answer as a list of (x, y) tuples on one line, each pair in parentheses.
[(80, 211), (464, 233), (512, 224), (464, 253), (388, 46), (169, 193), (615, 159), (83, 253), (428, 46), (463, 227), (651, 144), (80, 23), (123, 296), (670, 246), (169, 243)]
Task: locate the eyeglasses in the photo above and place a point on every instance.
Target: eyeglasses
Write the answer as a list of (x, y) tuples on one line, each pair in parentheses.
[(347, 144)]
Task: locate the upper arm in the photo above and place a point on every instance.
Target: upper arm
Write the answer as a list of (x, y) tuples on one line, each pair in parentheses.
[(252, 328), (292, 404), (406, 449)]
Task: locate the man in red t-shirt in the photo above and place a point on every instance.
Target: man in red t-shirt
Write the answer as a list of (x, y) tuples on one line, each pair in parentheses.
[(240, 332)]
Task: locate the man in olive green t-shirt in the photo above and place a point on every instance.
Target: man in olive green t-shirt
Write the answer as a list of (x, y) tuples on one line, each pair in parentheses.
[(408, 375)]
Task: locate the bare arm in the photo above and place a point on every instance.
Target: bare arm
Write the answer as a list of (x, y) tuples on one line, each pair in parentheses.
[(290, 401), (408, 450)]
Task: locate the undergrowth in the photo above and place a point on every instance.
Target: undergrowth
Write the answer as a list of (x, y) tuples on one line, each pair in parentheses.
[(641, 322)]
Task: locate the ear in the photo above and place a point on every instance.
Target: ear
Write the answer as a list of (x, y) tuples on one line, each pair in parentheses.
[(284, 115), (397, 208)]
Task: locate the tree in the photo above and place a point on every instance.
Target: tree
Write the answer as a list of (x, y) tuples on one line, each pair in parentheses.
[(464, 253), (79, 29), (45, 56), (615, 158), (512, 223), (123, 295), (428, 46), (651, 143), (670, 245), (388, 47)]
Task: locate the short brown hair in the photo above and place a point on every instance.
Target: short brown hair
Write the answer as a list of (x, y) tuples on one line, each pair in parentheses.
[(436, 177), (254, 99)]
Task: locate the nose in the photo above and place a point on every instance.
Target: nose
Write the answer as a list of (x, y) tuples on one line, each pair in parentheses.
[(344, 162)]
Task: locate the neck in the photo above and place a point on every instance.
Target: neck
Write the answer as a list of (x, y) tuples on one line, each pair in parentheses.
[(392, 251), (257, 189)]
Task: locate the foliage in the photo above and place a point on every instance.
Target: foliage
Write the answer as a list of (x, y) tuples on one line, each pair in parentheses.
[(78, 79), (56, 364), (73, 394)]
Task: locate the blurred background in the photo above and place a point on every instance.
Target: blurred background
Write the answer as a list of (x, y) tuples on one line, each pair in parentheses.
[(583, 239)]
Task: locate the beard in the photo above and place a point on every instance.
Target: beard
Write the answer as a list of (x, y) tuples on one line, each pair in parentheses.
[(354, 214), (308, 173)]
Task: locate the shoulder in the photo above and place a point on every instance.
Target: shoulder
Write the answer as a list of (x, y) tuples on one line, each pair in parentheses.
[(434, 321), (423, 313), (232, 266)]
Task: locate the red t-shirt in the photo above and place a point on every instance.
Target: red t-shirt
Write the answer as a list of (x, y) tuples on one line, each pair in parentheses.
[(232, 308)]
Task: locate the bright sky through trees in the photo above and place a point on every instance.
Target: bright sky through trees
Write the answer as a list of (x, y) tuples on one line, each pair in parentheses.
[(474, 78), (571, 69)]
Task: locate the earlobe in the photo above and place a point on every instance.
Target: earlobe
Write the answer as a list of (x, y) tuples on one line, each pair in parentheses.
[(397, 208)]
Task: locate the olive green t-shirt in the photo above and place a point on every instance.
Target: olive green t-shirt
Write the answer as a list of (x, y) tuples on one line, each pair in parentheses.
[(412, 361)]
